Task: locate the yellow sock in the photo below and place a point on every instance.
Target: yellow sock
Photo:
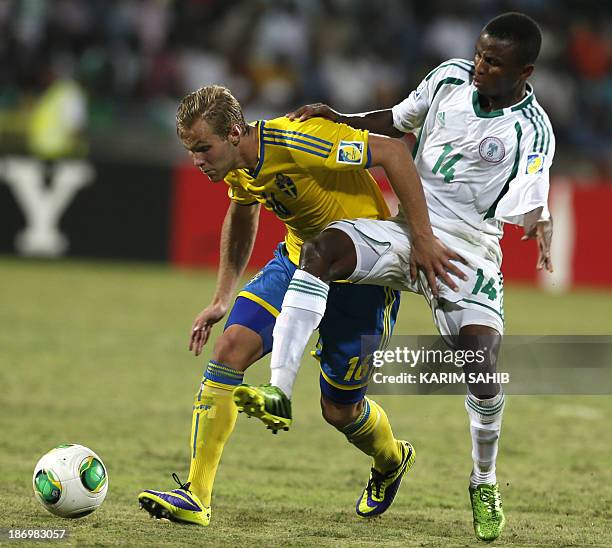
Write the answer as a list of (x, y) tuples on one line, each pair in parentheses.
[(372, 434), (214, 417)]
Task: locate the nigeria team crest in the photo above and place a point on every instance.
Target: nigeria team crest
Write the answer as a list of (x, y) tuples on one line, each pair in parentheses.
[(492, 150)]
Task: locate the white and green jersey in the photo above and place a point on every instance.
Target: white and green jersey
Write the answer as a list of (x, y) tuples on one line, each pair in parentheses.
[(479, 169)]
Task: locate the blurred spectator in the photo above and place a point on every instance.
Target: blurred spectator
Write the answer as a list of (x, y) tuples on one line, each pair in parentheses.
[(136, 58), (590, 49), (58, 118), (452, 35), (590, 52)]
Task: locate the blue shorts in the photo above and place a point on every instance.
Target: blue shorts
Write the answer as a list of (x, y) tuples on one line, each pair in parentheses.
[(352, 312)]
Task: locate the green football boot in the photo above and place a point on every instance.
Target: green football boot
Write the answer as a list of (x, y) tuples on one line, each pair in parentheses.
[(489, 519), (266, 402), (382, 488)]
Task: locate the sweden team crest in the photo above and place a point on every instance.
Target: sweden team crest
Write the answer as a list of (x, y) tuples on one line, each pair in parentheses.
[(286, 184), (350, 152)]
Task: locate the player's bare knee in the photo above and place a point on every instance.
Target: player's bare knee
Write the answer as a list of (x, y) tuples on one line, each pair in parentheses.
[(314, 258), (339, 415), (237, 348), (485, 342), (329, 256)]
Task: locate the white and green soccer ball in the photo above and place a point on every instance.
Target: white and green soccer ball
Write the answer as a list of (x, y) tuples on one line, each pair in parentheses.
[(70, 481)]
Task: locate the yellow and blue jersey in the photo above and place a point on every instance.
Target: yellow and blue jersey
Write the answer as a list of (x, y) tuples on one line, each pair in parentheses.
[(309, 174)]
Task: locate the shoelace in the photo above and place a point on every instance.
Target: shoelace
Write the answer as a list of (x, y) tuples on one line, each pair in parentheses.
[(377, 478), (375, 482), (491, 500), (182, 485)]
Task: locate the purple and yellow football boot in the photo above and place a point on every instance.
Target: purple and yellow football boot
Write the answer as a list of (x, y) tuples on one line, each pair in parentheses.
[(179, 505), (382, 488)]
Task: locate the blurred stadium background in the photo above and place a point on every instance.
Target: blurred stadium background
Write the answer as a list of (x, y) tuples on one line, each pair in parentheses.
[(98, 206), (98, 82)]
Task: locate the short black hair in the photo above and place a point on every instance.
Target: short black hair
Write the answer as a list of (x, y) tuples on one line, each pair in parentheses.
[(521, 30)]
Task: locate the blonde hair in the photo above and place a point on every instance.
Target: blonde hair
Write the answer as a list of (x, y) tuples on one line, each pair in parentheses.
[(213, 104)]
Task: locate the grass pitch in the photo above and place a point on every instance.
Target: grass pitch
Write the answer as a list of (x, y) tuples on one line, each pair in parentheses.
[(96, 353)]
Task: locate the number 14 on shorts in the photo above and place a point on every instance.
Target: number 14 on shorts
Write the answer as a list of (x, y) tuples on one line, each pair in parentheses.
[(487, 288)]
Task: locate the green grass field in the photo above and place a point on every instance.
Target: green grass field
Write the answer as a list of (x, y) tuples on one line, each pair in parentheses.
[(96, 353)]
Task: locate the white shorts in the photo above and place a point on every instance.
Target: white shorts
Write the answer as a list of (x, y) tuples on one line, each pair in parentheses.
[(383, 254)]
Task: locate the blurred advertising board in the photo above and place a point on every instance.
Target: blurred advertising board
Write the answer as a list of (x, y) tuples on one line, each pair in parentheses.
[(81, 208)]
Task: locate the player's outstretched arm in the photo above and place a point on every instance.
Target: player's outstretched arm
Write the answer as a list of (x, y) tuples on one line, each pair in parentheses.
[(237, 239), (428, 253), (376, 121), (542, 231)]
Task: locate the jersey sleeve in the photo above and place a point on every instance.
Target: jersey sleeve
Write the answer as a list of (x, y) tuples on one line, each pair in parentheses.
[(410, 113), (529, 189), (238, 194), (320, 143)]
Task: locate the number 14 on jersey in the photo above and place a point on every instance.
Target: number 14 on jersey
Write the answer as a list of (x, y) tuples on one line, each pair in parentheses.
[(447, 169)]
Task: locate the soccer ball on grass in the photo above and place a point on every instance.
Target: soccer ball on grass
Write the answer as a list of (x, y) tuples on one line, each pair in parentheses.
[(70, 481)]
